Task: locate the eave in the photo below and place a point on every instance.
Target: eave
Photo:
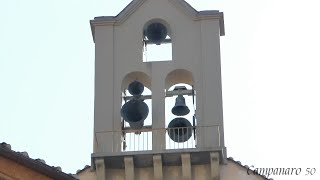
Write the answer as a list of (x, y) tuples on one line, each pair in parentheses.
[(34, 164)]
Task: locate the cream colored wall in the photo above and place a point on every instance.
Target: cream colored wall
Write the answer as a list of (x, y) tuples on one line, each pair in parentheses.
[(231, 171), (119, 52), (87, 175), (9, 168)]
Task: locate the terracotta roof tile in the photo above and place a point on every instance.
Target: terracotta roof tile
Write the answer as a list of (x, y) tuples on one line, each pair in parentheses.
[(38, 165), (83, 169)]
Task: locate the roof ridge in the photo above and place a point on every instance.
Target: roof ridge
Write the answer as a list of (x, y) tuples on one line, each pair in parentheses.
[(38, 165)]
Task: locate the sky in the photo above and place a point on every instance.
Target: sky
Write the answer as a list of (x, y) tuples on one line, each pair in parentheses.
[(270, 77)]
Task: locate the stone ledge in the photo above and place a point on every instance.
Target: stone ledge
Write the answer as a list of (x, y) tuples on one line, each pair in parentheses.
[(143, 159)]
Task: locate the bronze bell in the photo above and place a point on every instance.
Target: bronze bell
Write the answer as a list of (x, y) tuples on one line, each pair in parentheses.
[(179, 130), (135, 88), (135, 112), (156, 33), (180, 108)]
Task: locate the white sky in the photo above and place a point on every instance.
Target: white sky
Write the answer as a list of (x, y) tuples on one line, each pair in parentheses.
[(270, 69)]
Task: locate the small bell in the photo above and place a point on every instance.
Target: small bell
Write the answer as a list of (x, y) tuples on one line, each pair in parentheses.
[(136, 88), (180, 108)]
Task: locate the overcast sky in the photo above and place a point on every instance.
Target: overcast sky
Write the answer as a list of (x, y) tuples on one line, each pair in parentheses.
[(270, 74)]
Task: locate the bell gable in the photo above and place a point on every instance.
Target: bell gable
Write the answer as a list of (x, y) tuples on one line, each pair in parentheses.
[(154, 9)]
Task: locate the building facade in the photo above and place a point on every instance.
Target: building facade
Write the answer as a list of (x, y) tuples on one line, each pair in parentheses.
[(154, 50)]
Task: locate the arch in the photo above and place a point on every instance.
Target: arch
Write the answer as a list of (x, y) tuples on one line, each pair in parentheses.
[(136, 75), (179, 76)]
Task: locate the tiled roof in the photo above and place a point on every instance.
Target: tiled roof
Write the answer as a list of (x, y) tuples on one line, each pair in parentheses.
[(83, 169), (38, 165), (246, 167)]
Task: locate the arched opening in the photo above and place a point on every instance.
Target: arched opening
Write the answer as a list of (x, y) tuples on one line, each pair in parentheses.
[(135, 137), (136, 75), (179, 76), (157, 41), (180, 110)]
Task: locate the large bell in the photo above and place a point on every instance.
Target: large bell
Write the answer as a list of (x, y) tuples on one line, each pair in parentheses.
[(135, 88), (135, 112), (156, 33), (180, 130), (180, 108)]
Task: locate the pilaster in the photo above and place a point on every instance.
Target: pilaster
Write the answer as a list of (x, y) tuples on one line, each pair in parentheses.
[(100, 169), (215, 167), (157, 167), (129, 168), (186, 166)]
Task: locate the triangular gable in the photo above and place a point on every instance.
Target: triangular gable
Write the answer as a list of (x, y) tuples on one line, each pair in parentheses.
[(181, 5)]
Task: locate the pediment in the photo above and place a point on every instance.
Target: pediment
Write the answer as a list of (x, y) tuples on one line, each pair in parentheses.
[(180, 5)]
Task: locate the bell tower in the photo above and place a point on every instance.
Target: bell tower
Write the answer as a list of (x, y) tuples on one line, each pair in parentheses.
[(135, 135)]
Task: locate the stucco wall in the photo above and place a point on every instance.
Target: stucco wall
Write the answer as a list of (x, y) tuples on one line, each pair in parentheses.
[(87, 175), (9, 168)]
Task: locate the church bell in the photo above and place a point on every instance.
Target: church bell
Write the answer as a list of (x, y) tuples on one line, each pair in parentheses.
[(156, 33), (135, 111), (135, 88), (180, 108), (179, 130)]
